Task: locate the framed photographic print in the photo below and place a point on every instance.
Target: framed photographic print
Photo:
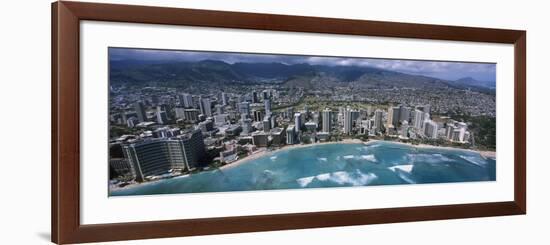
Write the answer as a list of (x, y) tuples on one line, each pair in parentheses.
[(176, 122)]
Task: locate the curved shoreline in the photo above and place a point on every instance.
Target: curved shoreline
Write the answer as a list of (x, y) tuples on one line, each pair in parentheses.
[(286, 148), (485, 154), (265, 153)]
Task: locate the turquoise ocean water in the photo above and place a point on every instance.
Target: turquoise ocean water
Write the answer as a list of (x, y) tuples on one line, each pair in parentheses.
[(332, 165)]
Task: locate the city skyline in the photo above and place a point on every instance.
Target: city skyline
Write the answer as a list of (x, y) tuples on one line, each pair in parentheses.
[(210, 126)]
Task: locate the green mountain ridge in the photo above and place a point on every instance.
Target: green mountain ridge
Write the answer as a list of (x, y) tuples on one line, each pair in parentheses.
[(218, 73)]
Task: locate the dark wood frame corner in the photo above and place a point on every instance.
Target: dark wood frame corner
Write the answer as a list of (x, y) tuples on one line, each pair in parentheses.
[(66, 227)]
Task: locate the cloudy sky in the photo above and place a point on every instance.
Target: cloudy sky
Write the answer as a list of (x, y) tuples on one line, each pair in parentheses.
[(439, 69)]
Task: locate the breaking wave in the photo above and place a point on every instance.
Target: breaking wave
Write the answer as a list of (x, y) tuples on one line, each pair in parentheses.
[(404, 172), (323, 177), (370, 157), (474, 160), (356, 178), (405, 167), (428, 158), (303, 182)]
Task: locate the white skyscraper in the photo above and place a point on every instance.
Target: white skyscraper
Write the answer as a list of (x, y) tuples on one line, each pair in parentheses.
[(246, 124), (161, 115), (350, 116), (457, 132), (393, 116), (267, 105), (366, 126), (290, 135), (348, 122), (298, 121), (180, 112), (404, 129), (378, 114), (272, 121), (430, 129), (326, 120), (206, 107), (340, 116), (449, 130), (186, 100), (404, 113), (418, 119), (225, 99)]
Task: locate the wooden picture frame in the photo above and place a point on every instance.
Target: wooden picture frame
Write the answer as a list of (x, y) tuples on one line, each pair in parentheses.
[(66, 226)]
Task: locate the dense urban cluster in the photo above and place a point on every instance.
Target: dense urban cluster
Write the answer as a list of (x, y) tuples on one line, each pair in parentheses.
[(441, 100), (159, 132)]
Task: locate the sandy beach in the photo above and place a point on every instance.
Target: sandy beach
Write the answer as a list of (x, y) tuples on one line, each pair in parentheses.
[(255, 155), (265, 152), (486, 154)]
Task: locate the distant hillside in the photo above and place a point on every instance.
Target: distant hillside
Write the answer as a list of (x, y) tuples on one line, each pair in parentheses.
[(217, 73), (469, 81)]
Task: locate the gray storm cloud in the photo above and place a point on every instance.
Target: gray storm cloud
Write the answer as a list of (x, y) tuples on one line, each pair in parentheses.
[(450, 70)]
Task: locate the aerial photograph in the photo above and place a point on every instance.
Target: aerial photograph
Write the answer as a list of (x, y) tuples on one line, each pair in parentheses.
[(183, 121)]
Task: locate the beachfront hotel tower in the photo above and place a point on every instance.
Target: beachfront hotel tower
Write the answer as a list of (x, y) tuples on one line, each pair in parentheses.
[(393, 116), (158, 156), (349, 117), (419, 119), (430, 129), (378, 121), (326, 120), (347, 122), (290, 135), (154, 157)]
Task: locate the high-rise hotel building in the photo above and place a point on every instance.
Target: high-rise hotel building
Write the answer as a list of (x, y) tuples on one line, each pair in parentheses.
[(244, 108), (158, 156), (378, 115), (298, 122), (326, 120), (290, 135), (349, 117), (206, 106), (430, 129)]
